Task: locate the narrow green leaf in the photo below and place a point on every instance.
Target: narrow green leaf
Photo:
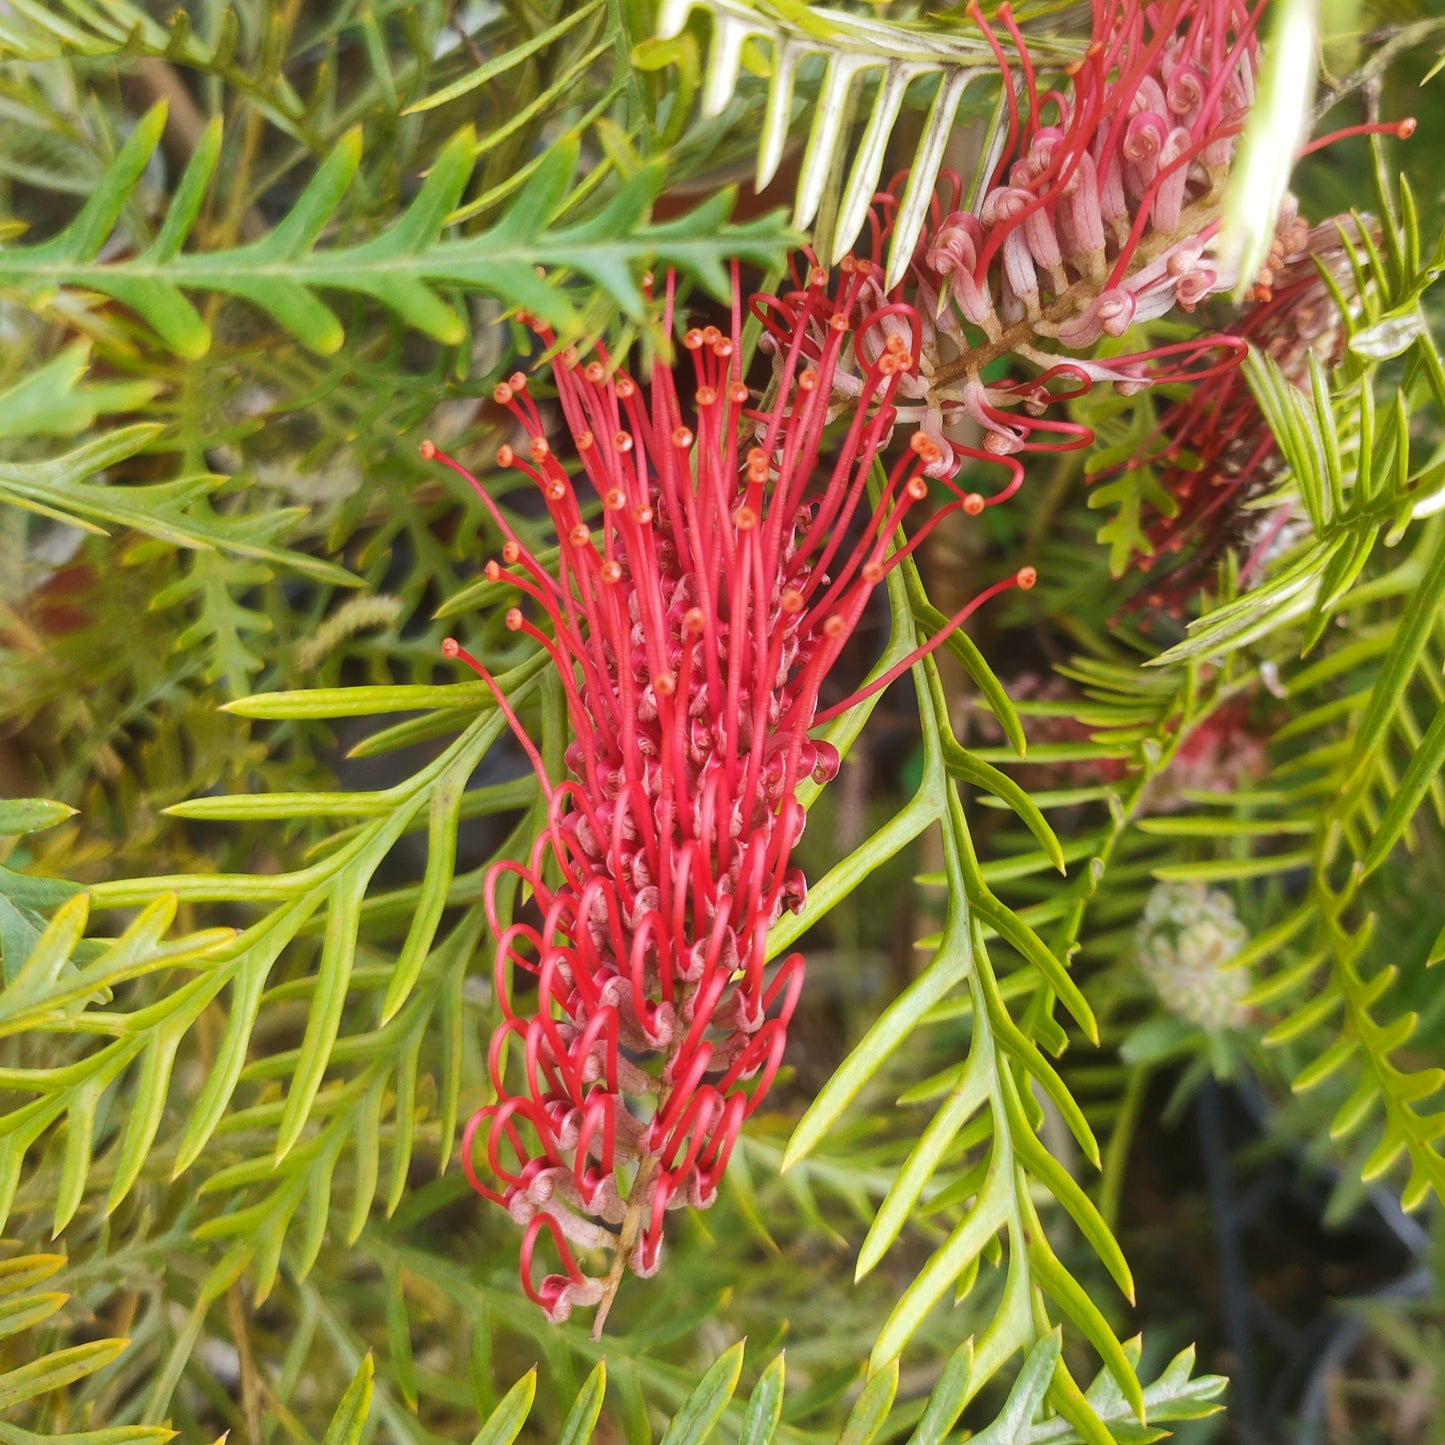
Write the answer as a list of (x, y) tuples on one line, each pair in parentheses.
[(866, 1418), (693, 1424), (53, 1372), (505, 1423), (582, 1418), (350, 1417), (765, 1405)]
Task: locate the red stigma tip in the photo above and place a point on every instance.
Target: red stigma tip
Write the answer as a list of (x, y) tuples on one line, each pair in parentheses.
[(738, 392), (973, 504), (514, 619), (705, 396), (505, 456), (450, 647), (428, 450), (681, 437), (611, 571), (693, 620), (580, 535), (1027, 576), (511, 553), (693, 340), (664, 684), (502, 394), (622, 442), (517, 381), (1406, 128)]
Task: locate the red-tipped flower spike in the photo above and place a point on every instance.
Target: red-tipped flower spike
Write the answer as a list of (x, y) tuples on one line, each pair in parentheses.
[(692, 623)]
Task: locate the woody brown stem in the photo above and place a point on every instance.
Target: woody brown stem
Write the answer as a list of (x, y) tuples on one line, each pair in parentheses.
[(631, 1227)]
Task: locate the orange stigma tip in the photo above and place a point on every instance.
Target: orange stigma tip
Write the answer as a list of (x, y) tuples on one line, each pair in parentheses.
[(738, 392), (1406, 128), (451, 647), (791, 601), (428, 450), (595, 372), (693, 340), (872, 573), (539, 449), (615, 499), (711, 335), (917, 442), (705, 396), (817, 276), (681, 437), (745, 519), (838, 321), (580, 535), (834, 626), (517, 381), (642, 516), (917, 488), (555, 490), (492, 571), (847, 265), (723, 349), (511, 553), (568, 356), (505, 456), (895, 344), (808, 381), (1027, 576), (501, 393), (693, 620), (973, 504), (622, 442), (664, 684), (514, 619), (585, 441), (756, 456), (611, 571), (626, 388)]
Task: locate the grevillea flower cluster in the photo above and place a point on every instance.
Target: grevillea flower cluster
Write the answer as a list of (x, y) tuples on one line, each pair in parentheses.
[(1212, 450), (698, 601), (1098, 213)]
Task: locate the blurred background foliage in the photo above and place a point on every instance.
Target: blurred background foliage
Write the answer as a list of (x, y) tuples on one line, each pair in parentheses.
[(250, 254)]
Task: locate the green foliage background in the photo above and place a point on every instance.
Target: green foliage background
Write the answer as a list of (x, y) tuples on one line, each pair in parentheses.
[(250, 254)]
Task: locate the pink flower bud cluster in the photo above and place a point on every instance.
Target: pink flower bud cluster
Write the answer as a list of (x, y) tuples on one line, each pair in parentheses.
[(1100, 211), (692, 616)]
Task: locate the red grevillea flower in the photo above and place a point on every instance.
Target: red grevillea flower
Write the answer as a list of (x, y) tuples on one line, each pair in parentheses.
[(1213, 449), (692, 618), (1099, 213)]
